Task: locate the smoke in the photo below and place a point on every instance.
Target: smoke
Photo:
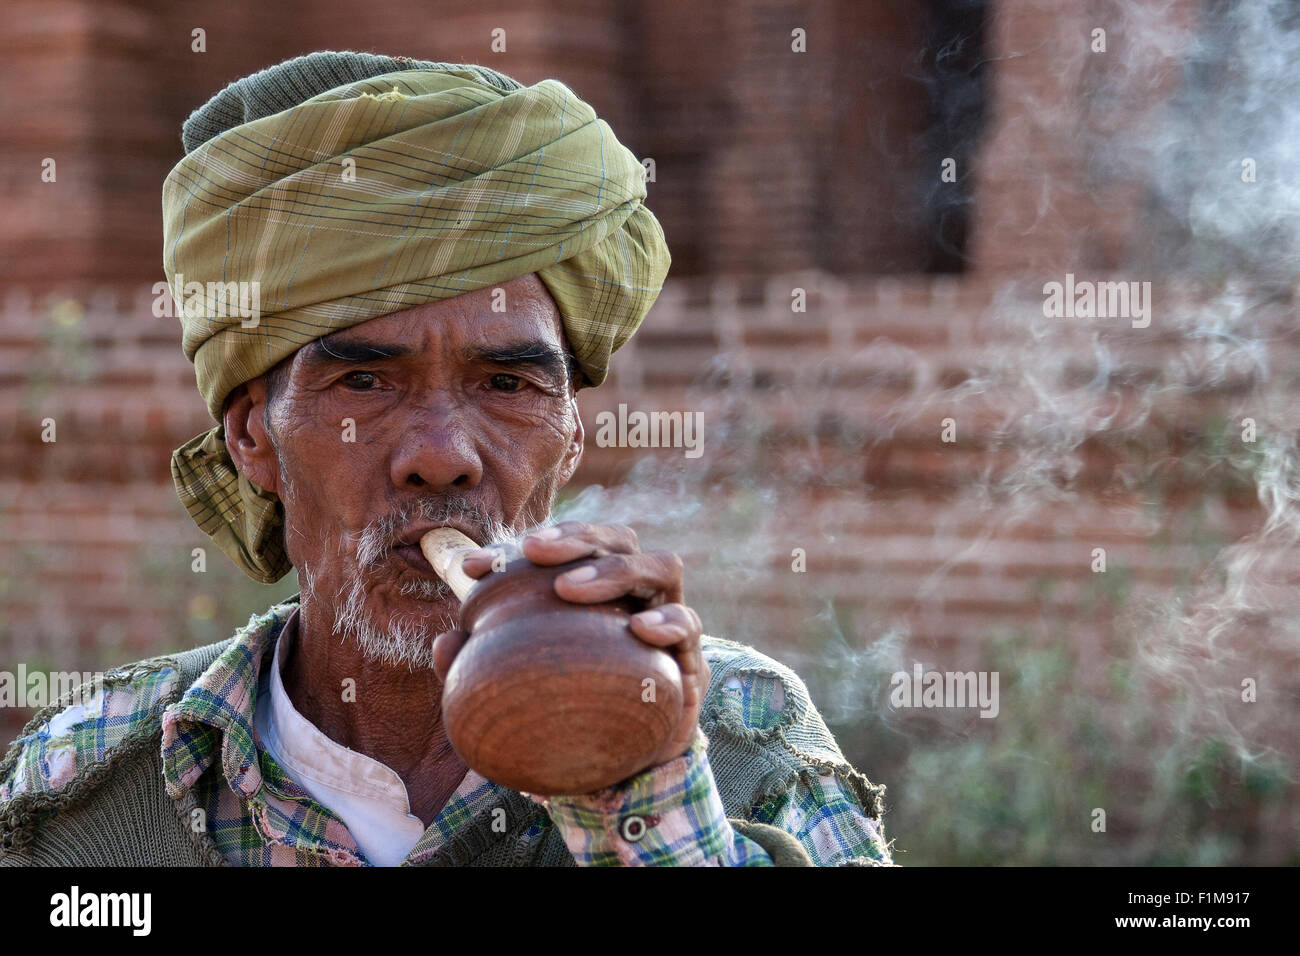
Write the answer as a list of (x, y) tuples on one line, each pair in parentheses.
[(1221, 168), (1171, 449)]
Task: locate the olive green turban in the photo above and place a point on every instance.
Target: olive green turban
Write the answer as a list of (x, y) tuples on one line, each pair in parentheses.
[(342, 186)]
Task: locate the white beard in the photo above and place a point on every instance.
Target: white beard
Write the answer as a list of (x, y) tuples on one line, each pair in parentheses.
[(403, 638)]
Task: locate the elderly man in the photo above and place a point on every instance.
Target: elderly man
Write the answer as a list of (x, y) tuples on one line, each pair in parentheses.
[(442, 257)]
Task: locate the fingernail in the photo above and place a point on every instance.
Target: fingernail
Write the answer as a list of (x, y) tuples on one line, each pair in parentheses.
[(547, 534), (578, 575), (650, 617)]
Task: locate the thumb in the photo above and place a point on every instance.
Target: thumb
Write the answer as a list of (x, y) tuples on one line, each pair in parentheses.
[(445, 648)]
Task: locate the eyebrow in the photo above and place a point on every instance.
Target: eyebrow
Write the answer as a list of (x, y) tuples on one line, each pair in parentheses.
[(539, 355), (323, 351), (535, 354)]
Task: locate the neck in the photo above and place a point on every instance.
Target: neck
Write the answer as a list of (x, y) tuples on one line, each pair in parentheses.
[(386, 711)]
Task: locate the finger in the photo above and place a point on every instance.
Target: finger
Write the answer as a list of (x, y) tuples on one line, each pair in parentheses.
[(675, 627), (445, 648), (571, 540), (655, 576), (479, 562), (661, 627)]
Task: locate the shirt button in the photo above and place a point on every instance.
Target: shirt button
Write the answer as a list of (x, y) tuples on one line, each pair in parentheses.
[(632, 828)]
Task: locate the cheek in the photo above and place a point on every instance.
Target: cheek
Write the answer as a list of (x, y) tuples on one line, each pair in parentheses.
[(553, 428), (327, 490), (536, 483), (533, 448), (331, 452)]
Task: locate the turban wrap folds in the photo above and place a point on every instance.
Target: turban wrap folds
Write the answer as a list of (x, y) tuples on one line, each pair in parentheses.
[(348, 186)]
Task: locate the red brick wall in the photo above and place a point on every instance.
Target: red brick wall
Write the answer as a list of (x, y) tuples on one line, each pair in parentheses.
[(838, 410)]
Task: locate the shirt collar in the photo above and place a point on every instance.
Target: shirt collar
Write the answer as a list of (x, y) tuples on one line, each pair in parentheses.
[(217, 712)]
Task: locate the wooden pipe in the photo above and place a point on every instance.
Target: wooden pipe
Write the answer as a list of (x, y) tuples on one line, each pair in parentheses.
[(548, 696)]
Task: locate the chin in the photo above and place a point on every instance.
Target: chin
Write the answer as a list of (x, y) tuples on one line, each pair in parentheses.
[(422, 590), (400, 631)]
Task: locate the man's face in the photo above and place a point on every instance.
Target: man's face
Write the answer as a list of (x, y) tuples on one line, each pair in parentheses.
[(449, 413)]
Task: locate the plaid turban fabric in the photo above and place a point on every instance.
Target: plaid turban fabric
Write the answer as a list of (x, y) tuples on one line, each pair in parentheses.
[(347, 186)]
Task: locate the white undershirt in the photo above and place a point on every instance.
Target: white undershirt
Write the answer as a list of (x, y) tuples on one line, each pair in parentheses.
[(367, 795)]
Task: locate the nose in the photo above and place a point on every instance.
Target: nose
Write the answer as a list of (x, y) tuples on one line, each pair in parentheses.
[(437, 452)]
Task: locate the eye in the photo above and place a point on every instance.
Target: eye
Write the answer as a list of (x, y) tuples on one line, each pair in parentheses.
[(360, 381), (505, 382)]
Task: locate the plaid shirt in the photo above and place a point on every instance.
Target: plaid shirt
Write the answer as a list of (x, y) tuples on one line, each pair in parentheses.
[(259, 816)]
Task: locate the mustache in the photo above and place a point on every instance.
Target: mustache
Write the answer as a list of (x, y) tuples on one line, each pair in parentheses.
[(375, 542)]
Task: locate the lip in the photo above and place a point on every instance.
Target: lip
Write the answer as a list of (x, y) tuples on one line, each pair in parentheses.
[(411, 539), (414, 558), (408, 549)]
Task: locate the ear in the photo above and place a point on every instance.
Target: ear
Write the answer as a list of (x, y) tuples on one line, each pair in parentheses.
[(247, 439), (573, 454)]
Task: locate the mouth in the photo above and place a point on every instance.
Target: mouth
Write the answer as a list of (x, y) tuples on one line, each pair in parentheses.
[(411, 556), (407, 547)]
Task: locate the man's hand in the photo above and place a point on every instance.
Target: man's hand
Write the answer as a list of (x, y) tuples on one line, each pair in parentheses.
[(617, 568)]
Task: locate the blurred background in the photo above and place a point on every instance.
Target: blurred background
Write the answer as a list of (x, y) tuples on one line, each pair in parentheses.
[(862, 217)]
